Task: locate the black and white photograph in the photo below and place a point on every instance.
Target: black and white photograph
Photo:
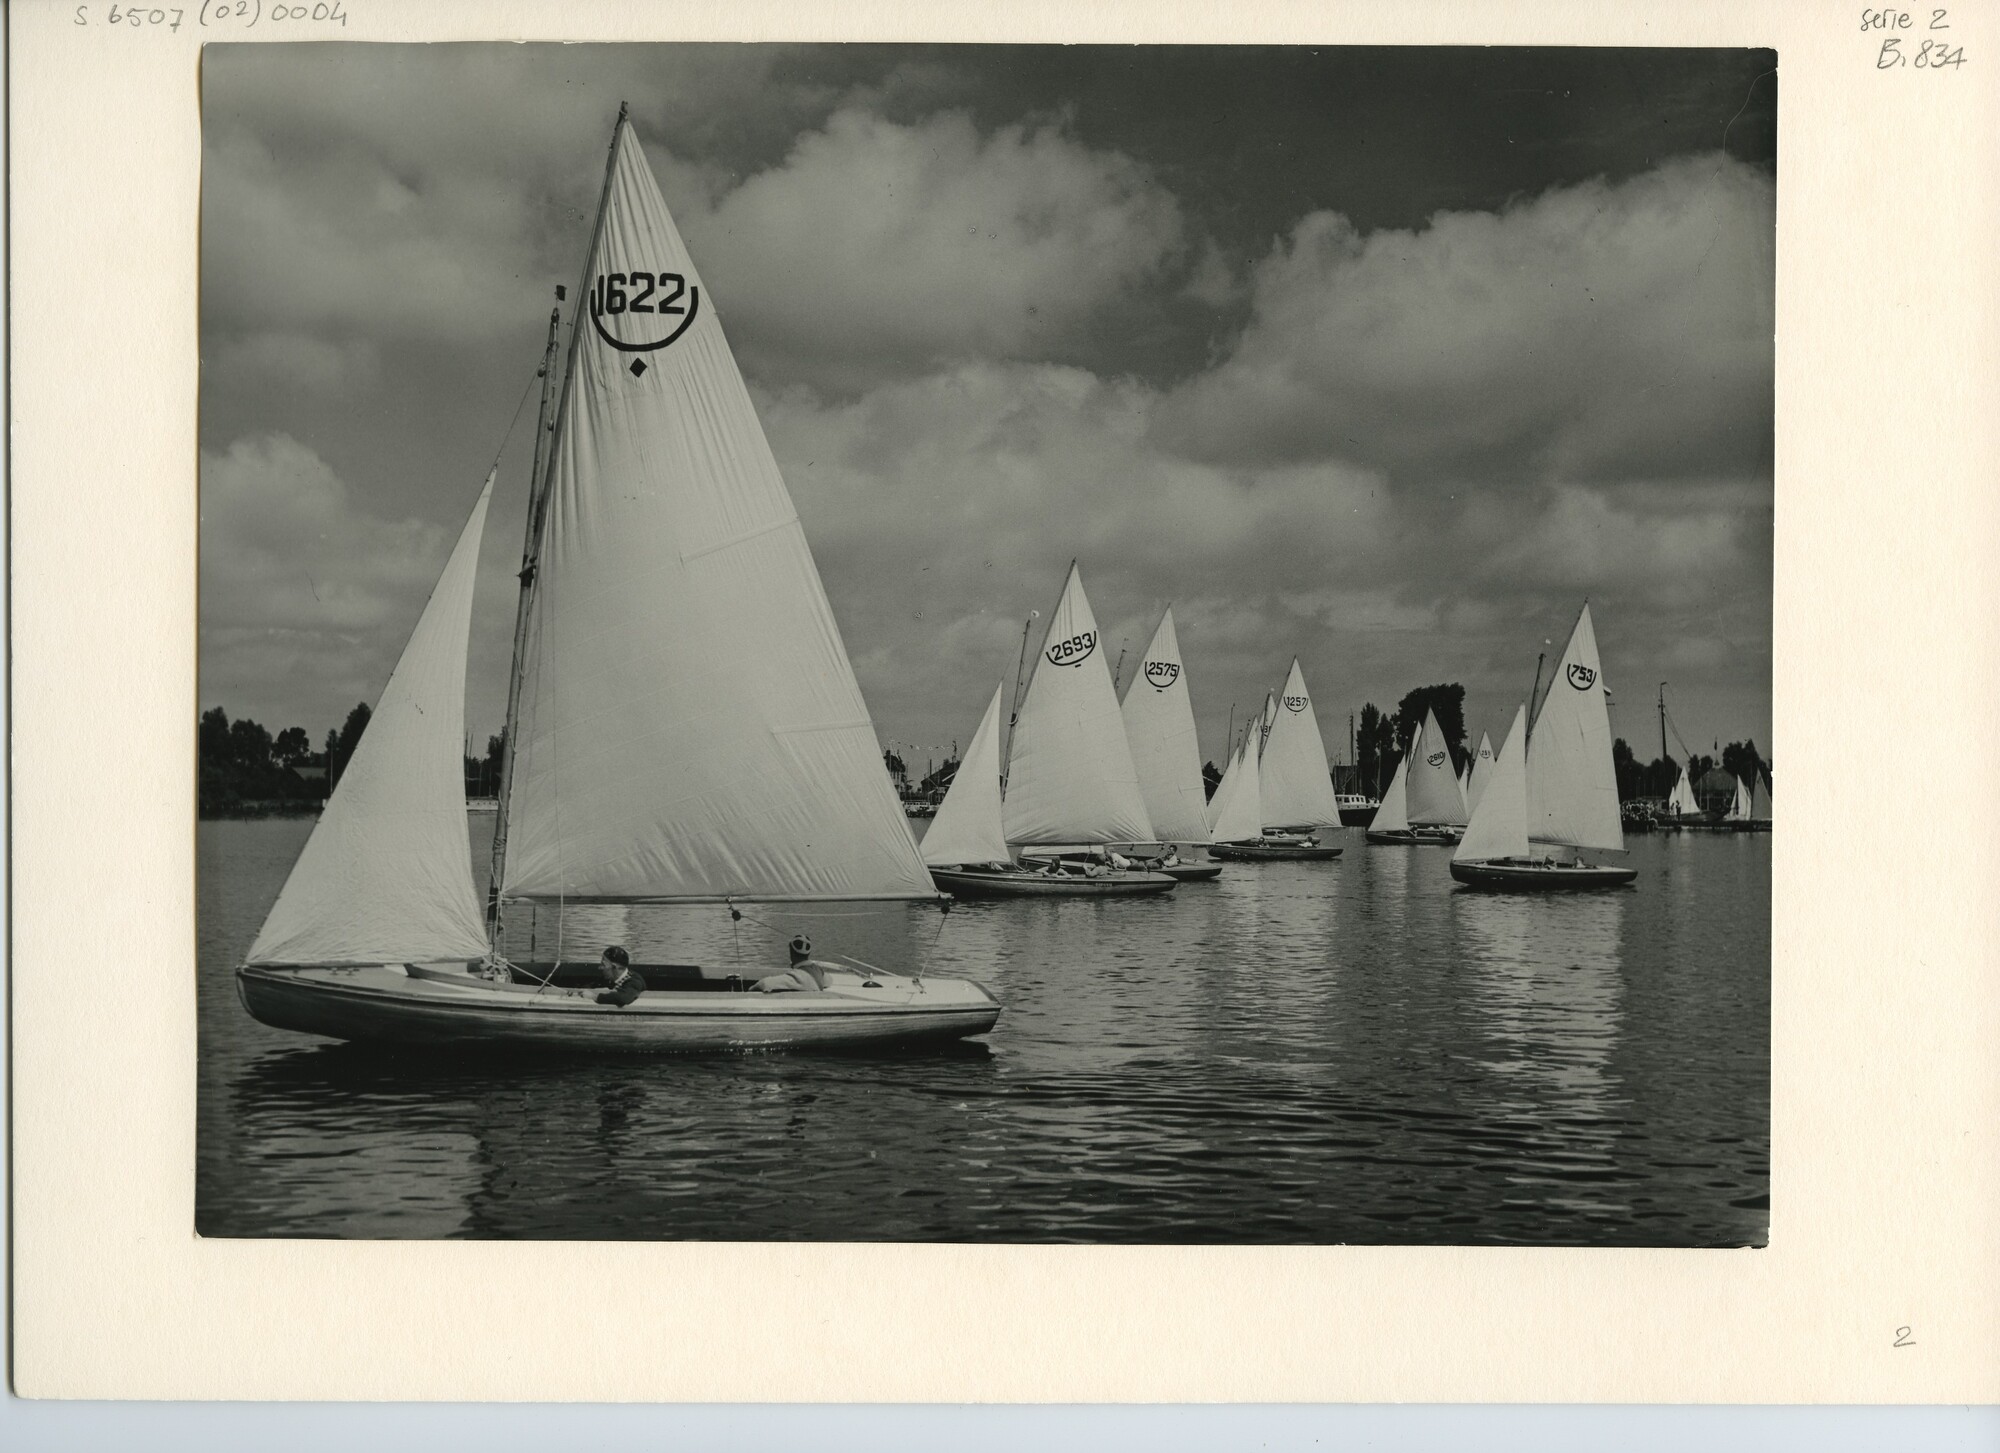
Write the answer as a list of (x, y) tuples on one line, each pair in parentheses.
[(1107, 644)]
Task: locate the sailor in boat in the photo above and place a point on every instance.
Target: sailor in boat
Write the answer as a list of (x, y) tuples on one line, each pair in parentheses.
[(622, 983), (807, 975)]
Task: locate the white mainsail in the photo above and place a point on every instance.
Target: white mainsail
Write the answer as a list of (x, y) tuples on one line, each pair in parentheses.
[(1572, 786), (386, 876), (967, 826), (1159, 729), (1435, 796), (1393, 815), (1297, 789), (689, 723), (1237, 813), (1499, 825), (1070, 777), (1683, 803), (1479, 772), (1739, 810)]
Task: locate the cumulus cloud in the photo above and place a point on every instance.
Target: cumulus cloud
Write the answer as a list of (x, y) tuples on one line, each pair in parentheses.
[(1602, 330), (881, 250), (942, 510), (304, 591)]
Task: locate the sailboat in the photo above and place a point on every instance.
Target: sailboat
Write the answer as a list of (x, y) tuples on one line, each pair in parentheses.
[(1757, 808), (1739, 810), (683, 725), (1552, 785), (1166, 756), (1070, 789), (1422, 796), (1477, 773), (1682, 809), (1249, 801)]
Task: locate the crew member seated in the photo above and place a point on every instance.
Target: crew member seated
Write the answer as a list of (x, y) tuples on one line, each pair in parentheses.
[(806, 975), (622, 982)]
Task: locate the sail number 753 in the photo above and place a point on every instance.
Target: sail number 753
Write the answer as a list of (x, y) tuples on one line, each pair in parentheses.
[(639, 292)]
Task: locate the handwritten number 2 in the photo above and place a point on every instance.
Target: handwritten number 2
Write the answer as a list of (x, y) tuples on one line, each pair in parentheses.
[(1937, 21), (1902, 1338)]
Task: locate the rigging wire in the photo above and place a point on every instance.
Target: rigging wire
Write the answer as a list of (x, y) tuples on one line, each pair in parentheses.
[(508, 436)]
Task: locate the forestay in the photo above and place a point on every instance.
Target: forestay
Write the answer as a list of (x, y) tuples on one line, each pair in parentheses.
[(1159, 729), (1069, 771), (1435, 796), (1237, 813), (1297, 788), (386, 876), (690, 726), (1572, 787), (1499, 825), (967, 826)]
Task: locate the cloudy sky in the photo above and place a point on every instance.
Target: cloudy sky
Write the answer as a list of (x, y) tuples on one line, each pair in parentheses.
[(1387, 358)]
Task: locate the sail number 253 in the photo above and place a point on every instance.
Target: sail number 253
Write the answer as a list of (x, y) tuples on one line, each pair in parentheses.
[(614, 298)]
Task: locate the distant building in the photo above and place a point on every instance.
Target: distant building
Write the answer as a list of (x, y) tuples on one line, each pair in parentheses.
[(1716, 791)]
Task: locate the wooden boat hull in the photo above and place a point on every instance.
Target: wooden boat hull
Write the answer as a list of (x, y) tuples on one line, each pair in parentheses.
[(1356, 816), (1414, 838), (442, 1005), (1499, 877), (1191, 872), (1258, 853), (965, 883)]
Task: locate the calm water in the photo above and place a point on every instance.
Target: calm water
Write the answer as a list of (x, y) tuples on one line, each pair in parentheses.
[(1347, 1052)]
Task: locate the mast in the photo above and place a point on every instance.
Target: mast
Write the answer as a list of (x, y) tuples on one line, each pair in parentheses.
[(1014, 702), (539, 482), (1536, 689), (1663, 723)]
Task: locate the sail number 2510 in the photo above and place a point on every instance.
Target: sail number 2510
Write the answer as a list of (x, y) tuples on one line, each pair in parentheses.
[(613, 298)]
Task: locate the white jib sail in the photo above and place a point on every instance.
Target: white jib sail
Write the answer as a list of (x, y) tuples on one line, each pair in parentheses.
[(1070, 777), (1760, 800), (1239, 811), (1435, 796), (1572, 786), (386, 876), (967, 826), (1293, 778), (1683, 801), (1739, 810), (1393, 814), (689, 726), (1159, 728), (1499, 826), (1481, 770)]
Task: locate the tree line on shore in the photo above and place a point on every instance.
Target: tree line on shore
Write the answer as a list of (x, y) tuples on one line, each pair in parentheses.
[(245, 771)]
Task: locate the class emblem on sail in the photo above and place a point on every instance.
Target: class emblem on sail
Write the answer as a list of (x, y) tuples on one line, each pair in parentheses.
[(1581, 676), (1073, 651), (1436, 759), (649, 310), (1162, 674)]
